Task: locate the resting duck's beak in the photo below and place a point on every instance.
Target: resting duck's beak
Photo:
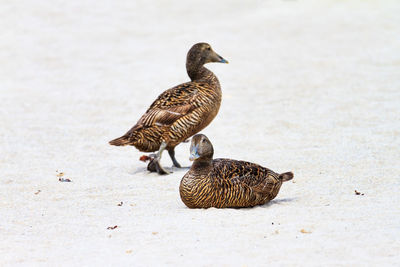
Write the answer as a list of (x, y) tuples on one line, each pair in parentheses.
[(194, 153)]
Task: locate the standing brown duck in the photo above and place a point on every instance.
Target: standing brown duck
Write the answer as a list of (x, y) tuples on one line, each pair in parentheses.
[(226, 183), (179, 112)]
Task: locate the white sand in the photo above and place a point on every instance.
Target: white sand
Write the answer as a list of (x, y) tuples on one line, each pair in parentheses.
[(312, 87)]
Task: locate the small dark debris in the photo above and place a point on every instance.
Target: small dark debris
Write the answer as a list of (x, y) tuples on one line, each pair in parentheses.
[(60, 177), (120, 204), (272, 223), (112, 227), (66, 180), (38, 192), (358, 193)]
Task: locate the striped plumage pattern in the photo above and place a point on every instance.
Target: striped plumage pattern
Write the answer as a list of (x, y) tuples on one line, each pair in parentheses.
[(230, 184), (227, 183), (175, 115), (179, 112)]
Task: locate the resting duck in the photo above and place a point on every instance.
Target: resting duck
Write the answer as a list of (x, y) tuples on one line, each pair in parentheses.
[(226, 183), (179, 112)]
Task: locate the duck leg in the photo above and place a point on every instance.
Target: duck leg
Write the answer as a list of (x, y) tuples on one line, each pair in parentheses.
[(155, 165), (151, 167), (171, 153)]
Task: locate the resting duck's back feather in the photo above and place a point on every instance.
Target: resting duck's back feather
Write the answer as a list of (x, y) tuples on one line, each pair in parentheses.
[(255, 184), (226, 183), (242, 172), (230, 184)]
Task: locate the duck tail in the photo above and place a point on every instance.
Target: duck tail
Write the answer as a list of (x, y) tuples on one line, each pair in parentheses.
[(286, 176), (121, 141)]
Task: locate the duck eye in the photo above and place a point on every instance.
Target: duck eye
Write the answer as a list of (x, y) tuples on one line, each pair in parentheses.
[(208, 48), (203, 141)]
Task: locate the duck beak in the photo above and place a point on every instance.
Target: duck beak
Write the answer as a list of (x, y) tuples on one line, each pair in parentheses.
[(222, 60), (194, 153), (214, 57)]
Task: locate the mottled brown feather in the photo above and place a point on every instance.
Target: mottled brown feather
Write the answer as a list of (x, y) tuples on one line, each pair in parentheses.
[(227, 183), (179, 112)]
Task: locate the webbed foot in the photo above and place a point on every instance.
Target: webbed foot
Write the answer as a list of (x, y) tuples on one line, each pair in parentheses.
[(155, 166)]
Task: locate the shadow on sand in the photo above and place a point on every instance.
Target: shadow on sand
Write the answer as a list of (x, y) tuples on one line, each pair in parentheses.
[(143, 170), (279, 201)]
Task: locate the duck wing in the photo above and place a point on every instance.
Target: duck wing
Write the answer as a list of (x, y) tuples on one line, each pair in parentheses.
[(171, 105), (244, 174)]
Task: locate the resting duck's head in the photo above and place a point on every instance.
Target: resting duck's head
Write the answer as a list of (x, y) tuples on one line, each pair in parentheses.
[(201, 148), (202, 53)]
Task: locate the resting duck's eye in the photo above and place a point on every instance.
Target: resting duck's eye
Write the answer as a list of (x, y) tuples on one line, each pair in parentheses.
[(208, 48), (204, 140)]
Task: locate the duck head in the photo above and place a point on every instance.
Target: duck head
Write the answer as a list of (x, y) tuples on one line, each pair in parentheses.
[(202, 53), (201, 148)]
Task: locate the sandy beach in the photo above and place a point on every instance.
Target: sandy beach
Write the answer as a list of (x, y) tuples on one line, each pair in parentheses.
[(312, 87)]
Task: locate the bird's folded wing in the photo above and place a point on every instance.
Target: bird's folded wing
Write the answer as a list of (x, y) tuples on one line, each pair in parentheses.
[(164, 117), (171, 105), (241, 172)]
